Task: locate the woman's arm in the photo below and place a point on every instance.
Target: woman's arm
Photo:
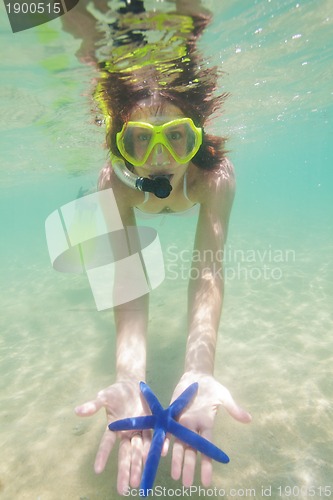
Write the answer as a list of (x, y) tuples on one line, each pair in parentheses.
[(205, 290), (122, 398), (131, 318), (205, 297)]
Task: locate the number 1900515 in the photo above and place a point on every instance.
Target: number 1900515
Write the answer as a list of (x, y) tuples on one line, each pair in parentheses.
[(34, 8)]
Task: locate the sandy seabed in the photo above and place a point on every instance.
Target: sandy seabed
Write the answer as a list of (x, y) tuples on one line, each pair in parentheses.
[(274, 354)]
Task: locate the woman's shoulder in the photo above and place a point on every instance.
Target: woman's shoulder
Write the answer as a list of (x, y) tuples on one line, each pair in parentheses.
[(225, 170), (215, 183), (223, 175)]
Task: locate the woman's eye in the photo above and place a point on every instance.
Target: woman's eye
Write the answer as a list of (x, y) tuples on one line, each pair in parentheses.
[(143, 137), (175, 136)]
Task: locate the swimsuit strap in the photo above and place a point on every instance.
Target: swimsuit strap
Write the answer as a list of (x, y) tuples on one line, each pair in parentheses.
[(185, 187), (146, 198)]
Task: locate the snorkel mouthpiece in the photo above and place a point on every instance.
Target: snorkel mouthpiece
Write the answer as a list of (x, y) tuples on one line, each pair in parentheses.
[(160, 185)]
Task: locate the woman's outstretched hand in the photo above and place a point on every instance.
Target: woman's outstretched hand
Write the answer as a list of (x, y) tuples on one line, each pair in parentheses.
[(121, 400), (199, 417)]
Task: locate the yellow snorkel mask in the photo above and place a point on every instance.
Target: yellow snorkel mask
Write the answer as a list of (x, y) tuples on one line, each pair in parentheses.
[(180, 137)]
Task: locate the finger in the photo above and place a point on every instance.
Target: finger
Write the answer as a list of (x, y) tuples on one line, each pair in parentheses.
[(206, 462), (238, 413), (89, 408), (233, 409), (177, 460), (190, 458), (166, 446), (124, 465), (136, 463), (104, 450), (146, 437)]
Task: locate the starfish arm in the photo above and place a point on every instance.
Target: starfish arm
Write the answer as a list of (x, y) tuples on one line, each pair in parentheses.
[(151, 399), (197, 442), (153, 459), (183, 400), (132, 423)]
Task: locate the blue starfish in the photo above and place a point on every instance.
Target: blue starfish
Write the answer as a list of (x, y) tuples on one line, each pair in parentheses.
[(163, 422)]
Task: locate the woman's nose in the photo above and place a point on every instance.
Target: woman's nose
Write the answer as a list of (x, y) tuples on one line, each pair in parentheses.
[(159, 155), (159, 149)]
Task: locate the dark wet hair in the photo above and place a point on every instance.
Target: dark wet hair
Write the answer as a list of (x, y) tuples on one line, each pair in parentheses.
[(186, 82)]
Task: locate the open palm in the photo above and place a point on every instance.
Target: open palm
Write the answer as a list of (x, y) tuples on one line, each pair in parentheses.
[(199, 417), (120, 400)]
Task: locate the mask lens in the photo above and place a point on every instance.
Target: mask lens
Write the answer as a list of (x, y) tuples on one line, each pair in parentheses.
[(136, 141), (181, 139)]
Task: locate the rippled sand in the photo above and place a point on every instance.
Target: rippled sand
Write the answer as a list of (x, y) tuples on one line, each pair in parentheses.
[(274, 354)]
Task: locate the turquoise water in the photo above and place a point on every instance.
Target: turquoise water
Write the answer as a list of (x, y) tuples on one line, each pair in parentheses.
[(274, 350)]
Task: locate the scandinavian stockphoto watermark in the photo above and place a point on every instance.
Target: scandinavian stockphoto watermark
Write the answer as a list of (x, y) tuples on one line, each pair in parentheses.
[(230, 263), (191, 491), (87, 236), (262, 491)]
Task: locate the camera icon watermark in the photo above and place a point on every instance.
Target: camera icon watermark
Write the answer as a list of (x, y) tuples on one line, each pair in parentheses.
[(87, 236)]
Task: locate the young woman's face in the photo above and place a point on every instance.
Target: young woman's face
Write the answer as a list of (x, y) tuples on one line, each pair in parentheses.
[(160, 161)]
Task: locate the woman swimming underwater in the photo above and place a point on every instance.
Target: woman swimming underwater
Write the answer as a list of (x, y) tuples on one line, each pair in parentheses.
[(156, 100)]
